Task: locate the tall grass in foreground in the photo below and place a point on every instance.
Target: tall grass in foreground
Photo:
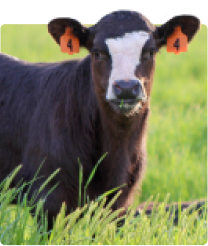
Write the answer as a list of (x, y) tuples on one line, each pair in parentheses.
[(97, 225)]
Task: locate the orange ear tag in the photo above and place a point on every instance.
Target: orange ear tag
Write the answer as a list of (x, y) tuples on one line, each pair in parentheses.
[(69, 43), (177, 42)]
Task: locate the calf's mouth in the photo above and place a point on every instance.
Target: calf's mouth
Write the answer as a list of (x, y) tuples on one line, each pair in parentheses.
[(127, 106)]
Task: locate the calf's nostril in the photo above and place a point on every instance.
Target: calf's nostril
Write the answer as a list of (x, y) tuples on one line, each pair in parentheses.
[(117, 89), (136, 89)]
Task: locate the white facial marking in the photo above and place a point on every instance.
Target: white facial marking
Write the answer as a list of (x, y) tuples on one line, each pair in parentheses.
[(125, 52)]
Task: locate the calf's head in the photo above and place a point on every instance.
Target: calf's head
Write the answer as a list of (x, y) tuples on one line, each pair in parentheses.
[(123, 46)]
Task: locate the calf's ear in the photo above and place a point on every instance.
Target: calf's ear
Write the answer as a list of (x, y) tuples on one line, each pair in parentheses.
[(57, 28), (189, 26)]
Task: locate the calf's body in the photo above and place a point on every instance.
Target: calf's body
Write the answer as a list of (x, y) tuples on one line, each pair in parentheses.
[(56, 113)]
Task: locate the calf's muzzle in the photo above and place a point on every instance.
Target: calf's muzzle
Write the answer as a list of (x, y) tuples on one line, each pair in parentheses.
[(131, 89)]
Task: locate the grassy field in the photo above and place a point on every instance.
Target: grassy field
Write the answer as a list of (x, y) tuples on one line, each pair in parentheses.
[(177, 133)]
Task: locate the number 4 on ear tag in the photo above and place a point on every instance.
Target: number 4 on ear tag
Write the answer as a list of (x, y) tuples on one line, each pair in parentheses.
[(177, 42), (69, 43)]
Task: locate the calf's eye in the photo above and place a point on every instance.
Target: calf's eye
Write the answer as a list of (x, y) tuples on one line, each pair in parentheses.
[(97, 55), (148, 54), (151, 53)]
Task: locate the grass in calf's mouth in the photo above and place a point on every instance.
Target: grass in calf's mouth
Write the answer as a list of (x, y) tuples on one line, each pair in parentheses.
[(121, 104)]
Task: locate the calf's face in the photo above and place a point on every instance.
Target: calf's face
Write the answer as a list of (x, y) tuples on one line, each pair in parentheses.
[(123, 46), (123, 54)]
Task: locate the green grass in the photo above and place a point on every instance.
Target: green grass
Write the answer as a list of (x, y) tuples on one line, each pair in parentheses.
[(98, 225), (177, 132), (177, 140)]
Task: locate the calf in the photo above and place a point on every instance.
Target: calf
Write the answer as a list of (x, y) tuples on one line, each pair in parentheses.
[(59, 112)]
